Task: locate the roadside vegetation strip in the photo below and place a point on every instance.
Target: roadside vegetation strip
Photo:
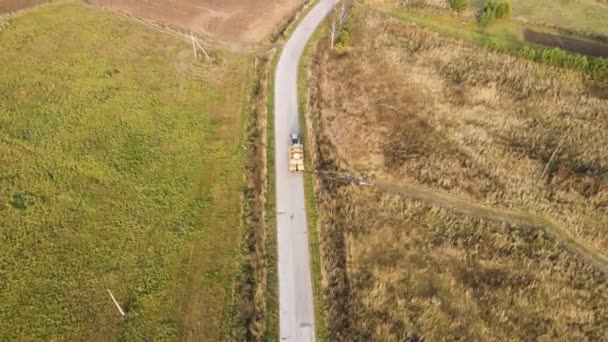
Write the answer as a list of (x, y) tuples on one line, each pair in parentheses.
[(272, 295), (117, 174), (248, 314)]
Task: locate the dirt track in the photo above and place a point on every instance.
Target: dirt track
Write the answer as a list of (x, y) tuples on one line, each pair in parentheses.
[(479, 210), (235, 21), (472, 209)]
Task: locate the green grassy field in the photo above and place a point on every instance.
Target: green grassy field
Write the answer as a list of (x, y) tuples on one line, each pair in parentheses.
[(588, 16), (118, 169), (580, 15), (505, 34)]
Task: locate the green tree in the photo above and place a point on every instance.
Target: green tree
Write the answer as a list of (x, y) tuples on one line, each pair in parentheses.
[(486, 17), (344, 36)]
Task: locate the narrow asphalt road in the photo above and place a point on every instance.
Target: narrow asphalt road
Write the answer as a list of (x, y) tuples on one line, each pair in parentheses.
[(295, 282)]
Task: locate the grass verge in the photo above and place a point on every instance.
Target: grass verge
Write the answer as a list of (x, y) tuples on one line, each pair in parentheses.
[(272, 296)]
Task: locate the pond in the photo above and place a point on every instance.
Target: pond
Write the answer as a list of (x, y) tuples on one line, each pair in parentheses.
[(566, 43)]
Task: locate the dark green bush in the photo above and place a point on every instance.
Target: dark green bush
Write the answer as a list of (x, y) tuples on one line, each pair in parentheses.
[(599, 67), (553, 56), (344, 36), (503, 10), (528, 53), (486, 17), (459, 5), (492, 10), (343, 40)]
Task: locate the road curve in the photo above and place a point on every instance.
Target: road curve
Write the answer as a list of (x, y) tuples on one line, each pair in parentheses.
[(296, 311)]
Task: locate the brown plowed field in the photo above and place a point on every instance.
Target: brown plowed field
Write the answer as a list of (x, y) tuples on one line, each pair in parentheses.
[(235, 21), (7, 6)]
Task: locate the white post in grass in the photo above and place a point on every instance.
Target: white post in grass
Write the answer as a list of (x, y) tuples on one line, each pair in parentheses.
[(195, 41), (202, 49), (554, 153), (193, 46), (116, 303)]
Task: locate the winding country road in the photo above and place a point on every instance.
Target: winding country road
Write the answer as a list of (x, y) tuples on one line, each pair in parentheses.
[(296, 311)]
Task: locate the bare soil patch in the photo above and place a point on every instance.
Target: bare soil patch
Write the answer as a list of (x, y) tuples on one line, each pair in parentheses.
[(235, 21)]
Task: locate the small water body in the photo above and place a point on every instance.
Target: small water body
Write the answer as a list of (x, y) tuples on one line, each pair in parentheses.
[(566, 43)]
